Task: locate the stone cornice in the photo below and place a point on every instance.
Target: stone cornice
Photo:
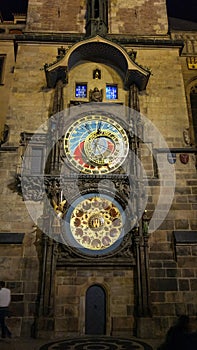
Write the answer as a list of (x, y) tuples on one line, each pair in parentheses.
[(119, 39)]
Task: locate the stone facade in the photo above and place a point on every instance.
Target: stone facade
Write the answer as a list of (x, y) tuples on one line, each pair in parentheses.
[(152, 13), (151, 279)]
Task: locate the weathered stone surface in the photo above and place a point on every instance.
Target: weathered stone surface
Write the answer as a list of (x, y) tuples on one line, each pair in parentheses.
[(183, 284), (122, 324), (188, 272), (172, 272), (193, 284), (158, 273), (15, 324), (65, 17), (158, 297), (17, 309), (69, 323), (187, 261), (167, 309), (167, 284), (182, 224), (68, 18)]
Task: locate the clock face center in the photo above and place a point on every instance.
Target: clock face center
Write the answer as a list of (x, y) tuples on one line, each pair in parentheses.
[(100, 148), (96, 222)]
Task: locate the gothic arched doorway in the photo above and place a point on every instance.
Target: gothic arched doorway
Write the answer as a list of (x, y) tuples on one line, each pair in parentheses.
[(95, 310)]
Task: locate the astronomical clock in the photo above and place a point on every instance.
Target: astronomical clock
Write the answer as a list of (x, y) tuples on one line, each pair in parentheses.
[(95, 147), (92, 181), (96, 144)]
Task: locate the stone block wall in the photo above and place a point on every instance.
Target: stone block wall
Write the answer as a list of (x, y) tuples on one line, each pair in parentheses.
[(71, 287), (144, 17), (30, 102), (173, 264), (64, 16), (19, 269), (7, 51), (164, 101), (19, 265)]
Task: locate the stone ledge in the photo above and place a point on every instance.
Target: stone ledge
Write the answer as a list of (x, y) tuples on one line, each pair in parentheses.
[(185, 237), (11, 238)]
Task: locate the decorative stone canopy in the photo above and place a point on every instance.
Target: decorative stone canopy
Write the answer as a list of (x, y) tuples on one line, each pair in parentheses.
[(100, 50)]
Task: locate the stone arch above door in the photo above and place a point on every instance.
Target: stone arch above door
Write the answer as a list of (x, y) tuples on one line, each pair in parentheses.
[(98, 49)]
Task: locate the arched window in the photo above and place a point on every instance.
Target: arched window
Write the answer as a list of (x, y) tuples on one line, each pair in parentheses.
[(97, 17), (193, 102)]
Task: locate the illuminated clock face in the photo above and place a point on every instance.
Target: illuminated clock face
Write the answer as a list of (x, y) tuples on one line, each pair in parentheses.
[(96, 144), (95, 223)]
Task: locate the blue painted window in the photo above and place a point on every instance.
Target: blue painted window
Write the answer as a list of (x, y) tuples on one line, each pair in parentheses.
[(81, 90), (111, 92)]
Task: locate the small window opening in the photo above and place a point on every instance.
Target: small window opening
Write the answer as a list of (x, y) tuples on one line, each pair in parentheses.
[(111, 92), (81, 90)]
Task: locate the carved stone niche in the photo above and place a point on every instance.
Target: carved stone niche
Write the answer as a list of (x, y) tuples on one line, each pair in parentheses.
[(92, 49)]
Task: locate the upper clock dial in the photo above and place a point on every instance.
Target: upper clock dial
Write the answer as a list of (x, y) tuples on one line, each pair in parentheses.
[(96, 144)]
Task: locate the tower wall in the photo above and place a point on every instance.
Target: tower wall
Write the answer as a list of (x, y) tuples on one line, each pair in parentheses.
[(144, 17)]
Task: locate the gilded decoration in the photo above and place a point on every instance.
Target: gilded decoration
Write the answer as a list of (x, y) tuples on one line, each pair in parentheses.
[(96, 223), (192, 62)]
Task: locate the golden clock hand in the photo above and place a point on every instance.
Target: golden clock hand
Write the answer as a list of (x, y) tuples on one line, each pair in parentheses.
[(95, 143), (99, 128), (101, 148), (87, 127)]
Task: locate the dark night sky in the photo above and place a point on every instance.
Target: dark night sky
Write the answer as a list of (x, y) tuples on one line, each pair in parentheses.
[(7, 7), (184, 9)]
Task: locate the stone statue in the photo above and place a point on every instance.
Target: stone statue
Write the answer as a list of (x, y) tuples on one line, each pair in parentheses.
[(96, 95), (186, 137)]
